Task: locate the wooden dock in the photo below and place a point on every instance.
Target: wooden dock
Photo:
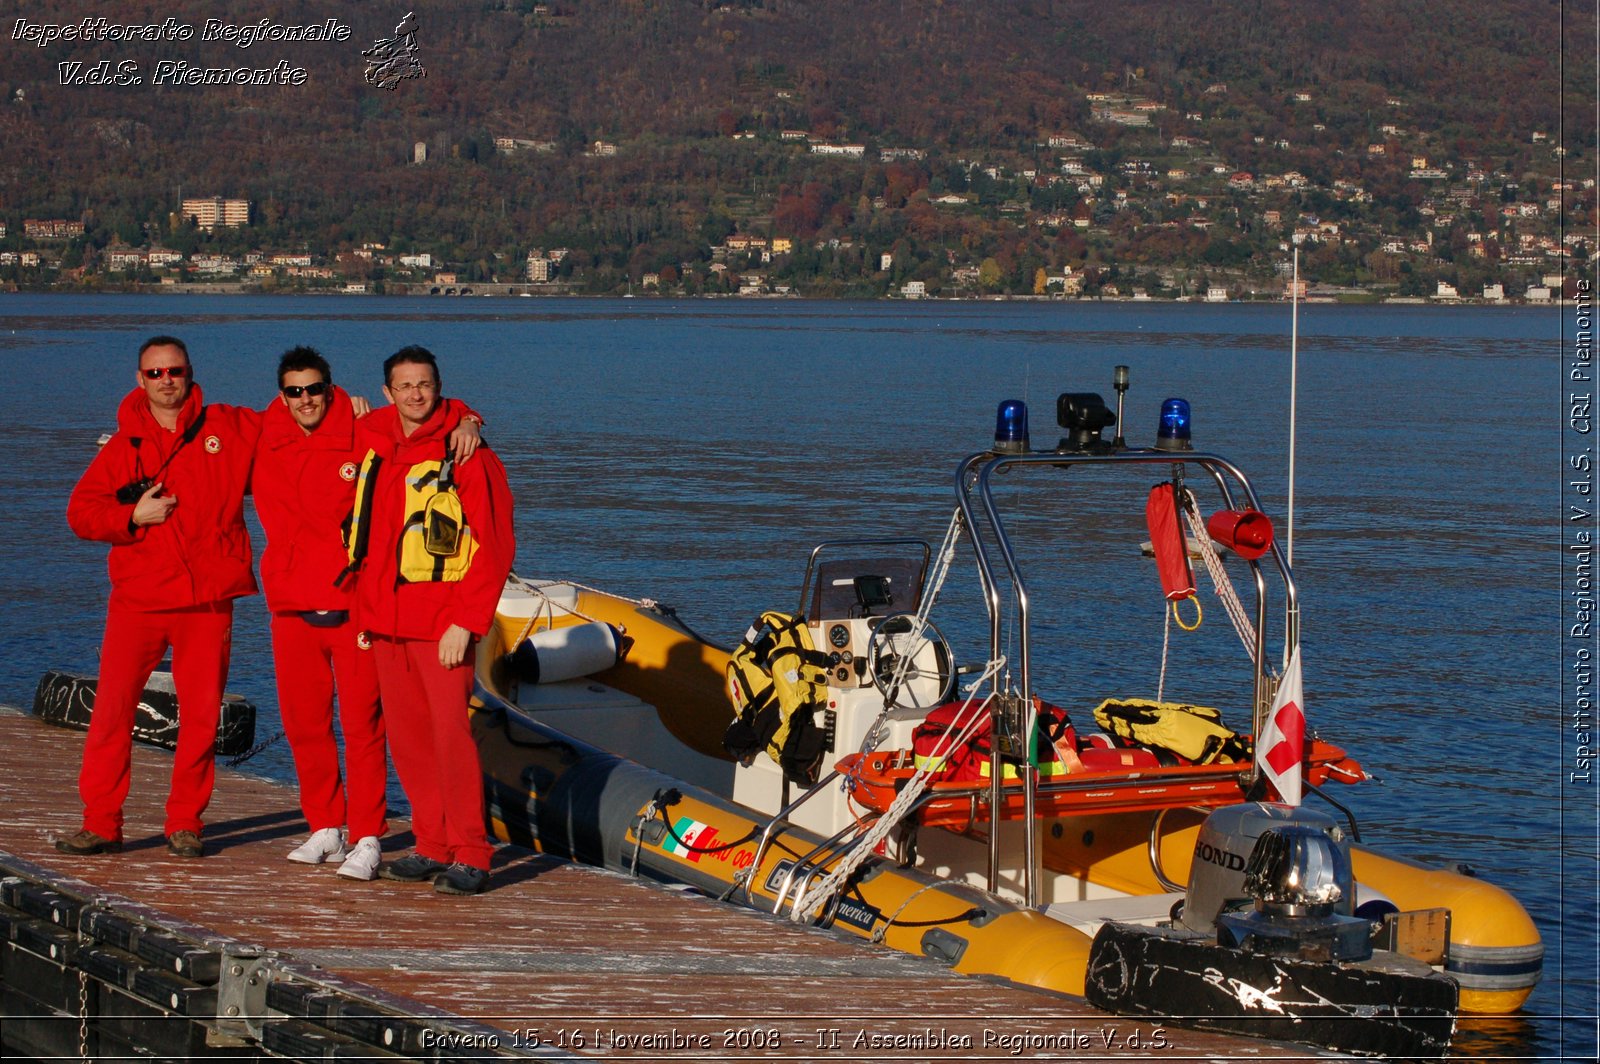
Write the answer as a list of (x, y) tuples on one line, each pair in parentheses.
[(244, 955)]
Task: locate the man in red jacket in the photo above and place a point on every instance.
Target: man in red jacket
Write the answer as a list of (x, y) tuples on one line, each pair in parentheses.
[(167, 493), (304, 486), (434, 544), (304, 483)]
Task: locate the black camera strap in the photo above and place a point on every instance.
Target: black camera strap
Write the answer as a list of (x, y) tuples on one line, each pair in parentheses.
[(183, 441)]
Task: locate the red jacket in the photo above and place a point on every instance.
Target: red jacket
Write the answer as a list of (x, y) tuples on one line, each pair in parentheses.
[(201, 552), (384, 606), (305, 485)]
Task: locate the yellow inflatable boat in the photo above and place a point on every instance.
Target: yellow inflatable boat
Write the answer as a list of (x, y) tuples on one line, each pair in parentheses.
[(841, 768)]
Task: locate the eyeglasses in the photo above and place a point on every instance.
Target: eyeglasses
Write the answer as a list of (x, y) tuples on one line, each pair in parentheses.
[(414, 386), (155, 373), (295, 391)]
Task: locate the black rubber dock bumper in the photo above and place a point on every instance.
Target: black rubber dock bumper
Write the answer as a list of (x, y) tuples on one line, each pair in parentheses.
[(1390, 1008), (87, 976), (66, 700)]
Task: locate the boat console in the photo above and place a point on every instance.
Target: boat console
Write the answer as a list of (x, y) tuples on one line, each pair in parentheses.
[(859, 602)]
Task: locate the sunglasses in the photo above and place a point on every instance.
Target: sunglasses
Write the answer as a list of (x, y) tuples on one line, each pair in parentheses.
[(157, 372), (295, 391)]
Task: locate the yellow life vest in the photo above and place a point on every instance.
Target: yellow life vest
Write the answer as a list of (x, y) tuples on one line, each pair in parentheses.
[(777, 681), (436, 543), (1194, 733)]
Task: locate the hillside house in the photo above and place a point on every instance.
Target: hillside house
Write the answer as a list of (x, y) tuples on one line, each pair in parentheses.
[(120, 256)]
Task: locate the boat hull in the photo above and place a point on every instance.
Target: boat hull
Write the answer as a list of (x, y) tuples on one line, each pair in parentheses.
[(574, 799), (559, 796)]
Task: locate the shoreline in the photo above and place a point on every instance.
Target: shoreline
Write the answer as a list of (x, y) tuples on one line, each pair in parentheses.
[(528, 291)]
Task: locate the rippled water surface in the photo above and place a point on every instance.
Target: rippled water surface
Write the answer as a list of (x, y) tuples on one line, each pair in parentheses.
[(694, 453)]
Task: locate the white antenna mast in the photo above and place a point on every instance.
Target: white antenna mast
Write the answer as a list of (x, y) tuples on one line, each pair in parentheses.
[(1294, 386)]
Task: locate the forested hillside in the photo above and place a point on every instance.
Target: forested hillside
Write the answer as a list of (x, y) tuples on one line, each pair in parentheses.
[(1028, 140)]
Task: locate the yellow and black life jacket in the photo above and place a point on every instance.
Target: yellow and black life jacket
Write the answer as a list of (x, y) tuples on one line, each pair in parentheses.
[(436, 543), (777, 681), (1194, 733)]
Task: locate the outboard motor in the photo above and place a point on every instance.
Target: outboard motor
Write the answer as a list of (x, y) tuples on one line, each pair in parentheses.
[(1269, 904), (1223, 850), (1297, 876)]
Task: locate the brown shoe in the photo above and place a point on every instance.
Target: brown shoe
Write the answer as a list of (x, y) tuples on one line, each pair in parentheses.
[(86, 842), (184, 844)]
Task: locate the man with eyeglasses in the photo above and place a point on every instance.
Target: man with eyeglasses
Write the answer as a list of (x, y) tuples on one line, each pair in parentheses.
[(304, 485), (432, 541), (167, 493)]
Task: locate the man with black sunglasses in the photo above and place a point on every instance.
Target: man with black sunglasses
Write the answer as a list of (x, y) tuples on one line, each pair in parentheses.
[(304, 485), (167, 493)]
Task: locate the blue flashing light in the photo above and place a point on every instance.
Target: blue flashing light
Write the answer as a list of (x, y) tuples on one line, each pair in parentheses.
[(1173, 435), (1011, 427)]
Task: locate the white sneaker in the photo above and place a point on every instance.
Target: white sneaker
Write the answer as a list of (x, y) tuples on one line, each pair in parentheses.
[(326, 844), (363, 860)]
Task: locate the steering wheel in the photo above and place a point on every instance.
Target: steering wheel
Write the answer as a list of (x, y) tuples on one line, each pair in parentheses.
[(913, 669)]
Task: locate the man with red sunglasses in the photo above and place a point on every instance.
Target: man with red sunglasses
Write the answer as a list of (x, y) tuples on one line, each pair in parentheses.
[(167, 493), (304, 485)]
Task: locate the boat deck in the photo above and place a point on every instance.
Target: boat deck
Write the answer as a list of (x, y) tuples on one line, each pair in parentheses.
[(555, 960)]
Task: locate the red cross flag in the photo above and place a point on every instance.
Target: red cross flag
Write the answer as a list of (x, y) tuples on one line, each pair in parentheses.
[(1281, 744)]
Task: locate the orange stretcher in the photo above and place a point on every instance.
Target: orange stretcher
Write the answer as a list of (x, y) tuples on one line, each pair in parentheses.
[(874, 780)]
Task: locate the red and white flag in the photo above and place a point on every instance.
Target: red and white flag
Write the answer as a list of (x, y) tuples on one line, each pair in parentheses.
[(1281, 745)]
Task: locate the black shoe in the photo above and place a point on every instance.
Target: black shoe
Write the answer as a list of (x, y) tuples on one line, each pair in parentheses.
[(412, 868), (86, 842), (185, 844), (461, 879)]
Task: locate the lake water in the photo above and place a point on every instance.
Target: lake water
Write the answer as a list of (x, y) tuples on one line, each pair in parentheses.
[(695, 452)]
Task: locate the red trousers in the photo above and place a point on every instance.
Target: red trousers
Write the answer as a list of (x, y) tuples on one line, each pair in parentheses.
[(430, 738), (135, 641), (310, 662)]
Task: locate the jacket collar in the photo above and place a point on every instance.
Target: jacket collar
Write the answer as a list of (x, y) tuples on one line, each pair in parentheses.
[(336, 432), (135, 419)]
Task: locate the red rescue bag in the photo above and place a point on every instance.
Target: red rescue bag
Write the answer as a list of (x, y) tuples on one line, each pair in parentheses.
[(1166, 541)]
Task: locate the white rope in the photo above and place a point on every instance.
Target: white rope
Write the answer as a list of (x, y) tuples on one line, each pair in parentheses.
[(865, 845), (1166, 633), (547, 605), (1220, 582), (903, 665)]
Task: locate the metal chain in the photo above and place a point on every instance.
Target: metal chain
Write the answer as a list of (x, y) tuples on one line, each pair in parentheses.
[(83, 1012), (253, 751)]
